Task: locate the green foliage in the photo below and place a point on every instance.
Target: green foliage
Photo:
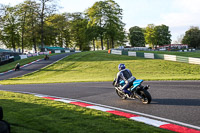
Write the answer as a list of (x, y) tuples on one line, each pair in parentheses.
[(78, 28), (162, 35), (57, 29), (136, 36), (157, 35), (106, 18), (150, 35), (9, 25), (192, 37)]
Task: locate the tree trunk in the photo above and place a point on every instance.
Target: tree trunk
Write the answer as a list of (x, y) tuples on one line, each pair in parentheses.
[(94, 44), (108, 45), (23, 30), (13, 42), (42, 26), (102, 42), (112, 39)]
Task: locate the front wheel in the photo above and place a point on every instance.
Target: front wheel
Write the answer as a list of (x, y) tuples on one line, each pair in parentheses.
[(121, 95), (146, 97)]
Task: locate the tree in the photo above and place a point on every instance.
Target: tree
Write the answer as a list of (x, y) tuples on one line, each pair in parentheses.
[(96, 15), (106, 17), (92, 35), (46, 10), (162, 35), (192, 37), (78, 27), (136, 36), (21, 12), (114, 25), (9, 25), (58, 30), (33, 24), (150, 35), (157, 35)]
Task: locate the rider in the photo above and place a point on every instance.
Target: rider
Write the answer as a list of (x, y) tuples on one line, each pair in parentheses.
[(17, 67), (126, 75)]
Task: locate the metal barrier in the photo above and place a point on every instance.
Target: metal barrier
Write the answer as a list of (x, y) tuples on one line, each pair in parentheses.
[(176, 58)]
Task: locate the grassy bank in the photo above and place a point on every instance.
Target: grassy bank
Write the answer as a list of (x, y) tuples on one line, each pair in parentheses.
[(11, 65), (30, 114), (100, 66)]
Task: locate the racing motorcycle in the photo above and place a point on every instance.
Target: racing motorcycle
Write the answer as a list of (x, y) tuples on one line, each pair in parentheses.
[(138, 91)]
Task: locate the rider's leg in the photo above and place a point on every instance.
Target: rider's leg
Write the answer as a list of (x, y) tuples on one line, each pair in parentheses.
[(125, 87)]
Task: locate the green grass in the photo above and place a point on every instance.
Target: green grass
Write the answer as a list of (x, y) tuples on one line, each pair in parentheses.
[(11, 65), (30, 114), (186, 54), (100, 66)]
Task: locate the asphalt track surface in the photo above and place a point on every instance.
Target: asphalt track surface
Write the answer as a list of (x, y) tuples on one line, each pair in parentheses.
[(33, 67), (175, 100)]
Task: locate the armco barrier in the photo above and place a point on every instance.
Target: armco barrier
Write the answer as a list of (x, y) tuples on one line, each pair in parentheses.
[(57, 51), (149, 55), (140, 54), (182, 59), (119, 52), (158, 56), (170, 57), (124, 52), (194, 60), (132, 53)]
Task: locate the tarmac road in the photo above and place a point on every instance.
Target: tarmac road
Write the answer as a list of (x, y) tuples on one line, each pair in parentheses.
[(33, 67), (175, 100)]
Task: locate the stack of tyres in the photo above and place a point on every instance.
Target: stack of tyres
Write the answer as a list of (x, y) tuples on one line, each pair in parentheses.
[(4, 126)]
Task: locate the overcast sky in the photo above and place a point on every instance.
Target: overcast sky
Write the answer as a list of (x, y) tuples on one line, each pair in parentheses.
[(179, 15)]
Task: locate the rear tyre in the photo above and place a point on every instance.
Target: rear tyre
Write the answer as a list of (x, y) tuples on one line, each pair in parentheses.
[(146, 97), (4, 127), (121, 95)]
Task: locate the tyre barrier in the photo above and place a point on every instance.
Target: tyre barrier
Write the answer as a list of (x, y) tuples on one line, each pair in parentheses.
[(4, 125)]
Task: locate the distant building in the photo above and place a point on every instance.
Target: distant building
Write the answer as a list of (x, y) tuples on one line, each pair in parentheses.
[(173, 46)]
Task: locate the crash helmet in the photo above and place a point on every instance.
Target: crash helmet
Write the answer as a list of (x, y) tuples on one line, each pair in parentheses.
[(121, 67)]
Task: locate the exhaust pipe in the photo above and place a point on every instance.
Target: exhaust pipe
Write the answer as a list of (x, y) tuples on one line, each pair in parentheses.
[(146, 87)]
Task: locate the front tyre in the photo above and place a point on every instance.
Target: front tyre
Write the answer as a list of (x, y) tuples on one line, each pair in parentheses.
[(146, 97), (121, 95)]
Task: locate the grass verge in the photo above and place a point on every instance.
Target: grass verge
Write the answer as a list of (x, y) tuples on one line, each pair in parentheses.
[(100, 66), (11, 65), (30, 114)]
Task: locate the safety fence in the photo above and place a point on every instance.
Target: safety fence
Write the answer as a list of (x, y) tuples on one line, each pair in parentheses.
[(176, 58)]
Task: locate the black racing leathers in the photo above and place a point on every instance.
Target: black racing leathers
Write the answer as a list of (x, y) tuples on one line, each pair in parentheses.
[(125, 75)]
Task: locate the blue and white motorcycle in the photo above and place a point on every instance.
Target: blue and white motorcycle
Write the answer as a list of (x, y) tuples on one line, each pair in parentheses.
[(137, 91)]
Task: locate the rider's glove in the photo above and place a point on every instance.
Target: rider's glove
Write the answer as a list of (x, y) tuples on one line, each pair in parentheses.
[(116, 84)]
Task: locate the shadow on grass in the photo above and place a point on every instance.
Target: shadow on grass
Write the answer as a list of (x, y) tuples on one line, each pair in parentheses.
[(180, 102), (15, 79)]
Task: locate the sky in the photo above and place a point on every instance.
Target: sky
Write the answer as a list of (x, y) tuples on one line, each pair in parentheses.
[(179, 15)]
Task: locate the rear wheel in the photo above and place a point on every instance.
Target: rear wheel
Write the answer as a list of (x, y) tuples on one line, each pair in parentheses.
[(146, 97), (120, 94)]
